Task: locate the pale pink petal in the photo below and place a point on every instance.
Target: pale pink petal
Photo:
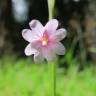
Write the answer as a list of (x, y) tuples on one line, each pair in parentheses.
[(60, 34), (35, 24), (49, 54), (29, 50), (36, 45), (59, 49), (51, 26), (38, 57), (29, 35)]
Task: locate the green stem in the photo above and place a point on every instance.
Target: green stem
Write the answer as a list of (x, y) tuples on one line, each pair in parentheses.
[(52, 65), (52, 74), (51, 4)]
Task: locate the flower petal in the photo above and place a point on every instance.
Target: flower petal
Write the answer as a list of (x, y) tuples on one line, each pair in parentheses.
[(36, 45), (38, 57), (51, 26), (59, 49), (29, 50), (49, 54), (60, 34), (35, 24), (29, 35)]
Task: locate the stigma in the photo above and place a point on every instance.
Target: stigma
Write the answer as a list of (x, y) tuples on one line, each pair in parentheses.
[(44, 39), (44, 43)]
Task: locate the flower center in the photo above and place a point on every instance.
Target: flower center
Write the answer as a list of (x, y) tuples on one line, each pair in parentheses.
[(44, 39)]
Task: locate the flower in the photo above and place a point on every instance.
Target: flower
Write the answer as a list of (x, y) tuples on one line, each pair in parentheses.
[(44, 41)]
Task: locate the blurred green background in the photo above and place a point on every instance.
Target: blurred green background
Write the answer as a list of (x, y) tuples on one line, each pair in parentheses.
[(76, 70)]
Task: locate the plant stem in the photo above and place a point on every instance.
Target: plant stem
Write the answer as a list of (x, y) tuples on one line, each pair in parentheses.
[(52, 74), (51, 65), (51, 4)]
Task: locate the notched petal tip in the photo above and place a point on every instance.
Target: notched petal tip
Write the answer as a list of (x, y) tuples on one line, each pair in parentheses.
[(29, 50), (35, 24), (32, 23), (64, 32), (51, 26), (27, 35), (24, 31), (53, 22), (59, 49), (60, 34)]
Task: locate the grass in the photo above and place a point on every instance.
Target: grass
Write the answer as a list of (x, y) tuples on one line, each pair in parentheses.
[(22, 78)]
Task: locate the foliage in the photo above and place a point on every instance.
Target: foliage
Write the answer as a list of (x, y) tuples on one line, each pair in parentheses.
[(22, 78)]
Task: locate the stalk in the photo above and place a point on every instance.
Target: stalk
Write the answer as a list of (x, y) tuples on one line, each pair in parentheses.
[(52, 65), (52, 78)]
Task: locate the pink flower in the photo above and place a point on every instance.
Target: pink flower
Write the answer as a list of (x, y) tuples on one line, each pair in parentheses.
[(44, 41)]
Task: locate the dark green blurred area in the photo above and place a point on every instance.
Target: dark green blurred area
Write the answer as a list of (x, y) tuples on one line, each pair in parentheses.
[(77, 16)]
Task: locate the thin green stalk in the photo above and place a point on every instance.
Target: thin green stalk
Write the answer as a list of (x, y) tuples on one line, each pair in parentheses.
[(52, 77), (51, 4), (52, 65)]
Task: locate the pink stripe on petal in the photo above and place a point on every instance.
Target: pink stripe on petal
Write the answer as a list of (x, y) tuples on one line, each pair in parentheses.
[(51, 26), (29, 50)]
